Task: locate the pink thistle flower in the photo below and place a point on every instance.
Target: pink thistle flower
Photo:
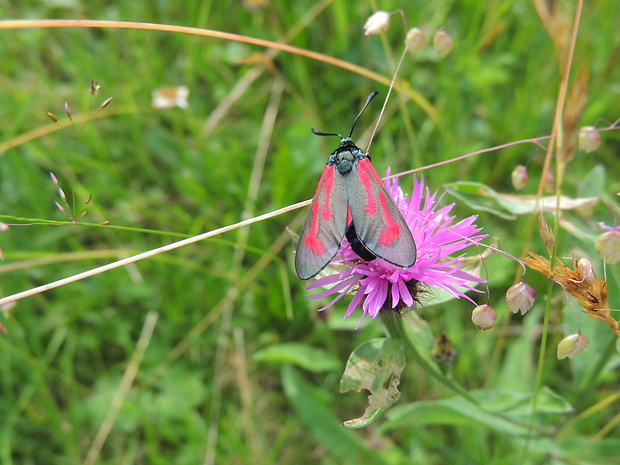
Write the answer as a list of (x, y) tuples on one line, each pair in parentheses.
[(379, 285)]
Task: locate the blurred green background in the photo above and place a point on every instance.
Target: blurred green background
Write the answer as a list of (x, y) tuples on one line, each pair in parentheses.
[(239, 367)]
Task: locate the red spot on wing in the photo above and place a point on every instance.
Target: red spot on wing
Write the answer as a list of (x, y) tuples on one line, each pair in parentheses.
[(391, 231), (365, 171), (373, 172), (315, 245), (328, 177), (321, 206)]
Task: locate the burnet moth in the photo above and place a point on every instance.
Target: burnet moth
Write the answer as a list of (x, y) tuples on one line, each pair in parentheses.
[(352, 200)]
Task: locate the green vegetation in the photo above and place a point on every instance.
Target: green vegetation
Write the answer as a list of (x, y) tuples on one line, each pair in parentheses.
[(211, 353)]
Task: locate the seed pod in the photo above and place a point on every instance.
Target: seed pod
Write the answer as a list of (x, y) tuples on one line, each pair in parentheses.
[(519, 177), (61, 208), (442, 43), (521, 297), (572, 345), (608, 246), (106, 103), (415, 40), (589, 139), (54, 179), (483, 317)]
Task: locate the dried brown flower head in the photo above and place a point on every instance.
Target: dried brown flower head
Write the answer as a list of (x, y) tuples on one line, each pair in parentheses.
[(589, 290)]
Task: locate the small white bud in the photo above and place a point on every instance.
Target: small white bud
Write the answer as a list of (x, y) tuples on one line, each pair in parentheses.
[(415, 40), (589, 139), (519, 177), (572, 345), (483, 317), (379, 22), (442, 43), (608, 246), (585, 270), (521, 297)]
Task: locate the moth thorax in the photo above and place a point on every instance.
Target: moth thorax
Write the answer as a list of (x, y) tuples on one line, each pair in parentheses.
[(344, 162), (346, 156)]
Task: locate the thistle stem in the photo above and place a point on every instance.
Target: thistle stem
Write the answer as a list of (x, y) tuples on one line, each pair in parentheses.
[(393, 322)]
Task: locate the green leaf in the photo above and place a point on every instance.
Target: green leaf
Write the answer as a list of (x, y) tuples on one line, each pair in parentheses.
[(302, 355), (587, 450), (520, 403), (481, 197), (505, 411), (452, 411), (376, 366), (593, 182), (579, 227), (525, 204)]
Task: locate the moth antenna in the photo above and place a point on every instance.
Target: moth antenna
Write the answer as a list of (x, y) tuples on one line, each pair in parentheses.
[(321, 133), (370, 97)]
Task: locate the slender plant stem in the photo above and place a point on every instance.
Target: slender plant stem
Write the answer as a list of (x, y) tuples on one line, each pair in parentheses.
[(394, 325)]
